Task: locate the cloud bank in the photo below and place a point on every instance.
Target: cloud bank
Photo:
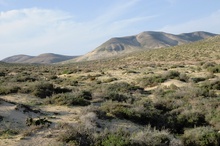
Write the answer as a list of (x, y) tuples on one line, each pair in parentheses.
[(34, 31)]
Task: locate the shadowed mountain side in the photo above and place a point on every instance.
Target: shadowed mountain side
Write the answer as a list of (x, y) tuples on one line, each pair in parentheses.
[(206, 50), (47, 58), (17, 58), (143, 41)]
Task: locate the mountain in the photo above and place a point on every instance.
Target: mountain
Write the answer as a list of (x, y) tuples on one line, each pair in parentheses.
[(200, 52), (47, 58), (142, 41), (17, 58)]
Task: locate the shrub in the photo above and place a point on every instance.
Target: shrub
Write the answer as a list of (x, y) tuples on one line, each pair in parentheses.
[(37, 122), (140, 115), (214, 69), (1, 118), (165, 105), (4, 90), (42, 89), (68, 99), (215, 85), (76, 136), (58, 90), (183, 77), (89, 120), (7, 133), (201, 136), (191, 119), (151, 81), (2, 74), (197, 79), (171, 75), (177, 120), (209, 64), (24, 78), (67, 72), (116, 138), (114, 96), (191, 92), (84, 94), (122, 87), (119, 138), (152, 137)]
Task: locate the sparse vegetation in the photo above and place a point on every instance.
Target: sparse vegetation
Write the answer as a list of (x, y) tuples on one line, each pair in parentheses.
[(138, 99)]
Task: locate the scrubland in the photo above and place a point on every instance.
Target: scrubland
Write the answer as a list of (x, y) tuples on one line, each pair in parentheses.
[(167, 96)]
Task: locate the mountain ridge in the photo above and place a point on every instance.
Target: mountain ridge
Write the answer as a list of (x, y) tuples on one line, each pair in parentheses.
[(46, 58), (117, 46), (144, 40)]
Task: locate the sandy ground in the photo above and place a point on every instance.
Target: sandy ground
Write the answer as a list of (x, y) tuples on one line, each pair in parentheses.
[(14, 117), (174, 82), (167, 84)]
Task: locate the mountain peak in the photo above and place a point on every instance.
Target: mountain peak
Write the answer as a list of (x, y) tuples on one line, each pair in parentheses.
[(46, 58), (144, 40)]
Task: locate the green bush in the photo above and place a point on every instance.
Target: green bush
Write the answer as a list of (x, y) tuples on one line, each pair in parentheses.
[(118, 138), (76, 136), (4, 90), (201, 136), (191, 119), (215, 85), (171, 75), (152, 137), (165, 105), (139, 115), (191, 92), (197, 79), (7, 133), (214, 69), (114, 96), (177, 120), (209, 64), (67, 72), (183, 77), (84, 94), (151, 80), (68, 99), (42, 89), (24, 78), (122, 87), (2, 74)]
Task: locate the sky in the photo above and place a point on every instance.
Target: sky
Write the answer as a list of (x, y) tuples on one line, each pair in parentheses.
[(76, 27)]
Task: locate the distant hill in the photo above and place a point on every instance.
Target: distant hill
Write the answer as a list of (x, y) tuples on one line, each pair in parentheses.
[(47, 58), (203, 51), (143, 41)]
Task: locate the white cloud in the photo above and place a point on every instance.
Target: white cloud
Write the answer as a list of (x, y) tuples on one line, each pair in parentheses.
[(34, 31), (210, 23)]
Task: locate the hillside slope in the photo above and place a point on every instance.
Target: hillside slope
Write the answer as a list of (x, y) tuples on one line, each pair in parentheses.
[(142, 41), (206, 50), (47, 58), (17, 58)]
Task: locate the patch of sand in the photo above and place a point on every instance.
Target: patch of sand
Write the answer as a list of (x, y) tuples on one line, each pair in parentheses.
[(15, 116), (177, 83), (168, 83)]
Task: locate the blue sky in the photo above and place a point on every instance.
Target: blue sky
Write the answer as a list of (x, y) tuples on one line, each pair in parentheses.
[(76, 27)]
